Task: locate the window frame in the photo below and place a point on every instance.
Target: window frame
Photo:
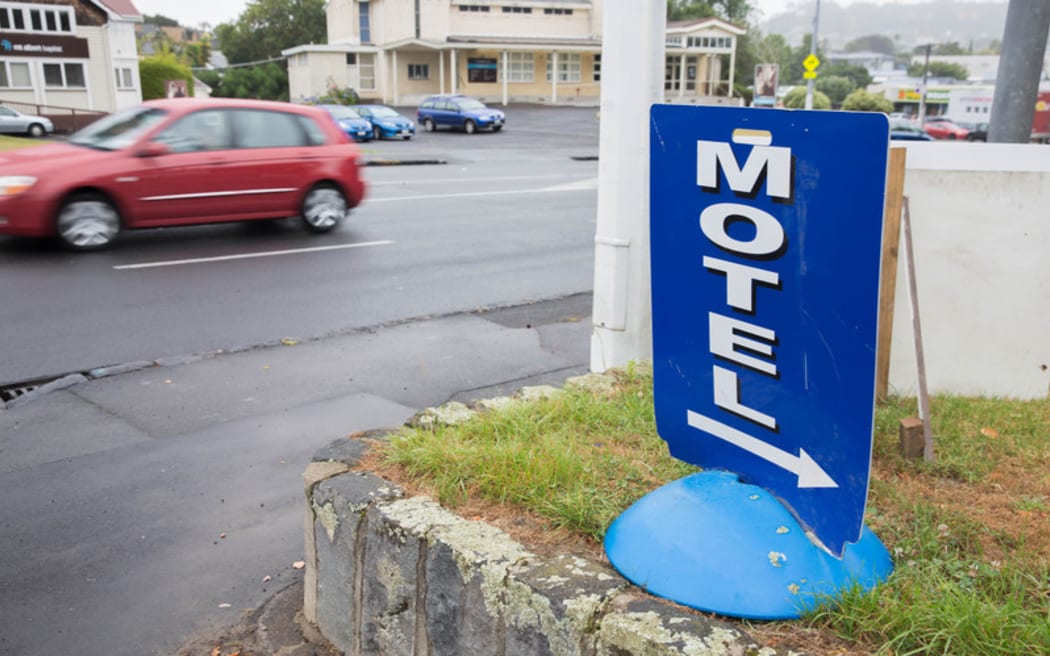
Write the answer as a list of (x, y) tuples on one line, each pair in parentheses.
[(8, 78), (419, 71), (37, 19), (565, 70), (64, 68)]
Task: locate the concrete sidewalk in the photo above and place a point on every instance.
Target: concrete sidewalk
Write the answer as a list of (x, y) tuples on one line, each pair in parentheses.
[(163, 500)]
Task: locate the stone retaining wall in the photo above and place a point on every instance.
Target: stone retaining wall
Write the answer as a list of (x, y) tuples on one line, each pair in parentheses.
[(389, 575)]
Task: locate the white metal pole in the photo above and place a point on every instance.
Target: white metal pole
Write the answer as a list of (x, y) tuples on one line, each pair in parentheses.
[(812, 51), (632, 81)]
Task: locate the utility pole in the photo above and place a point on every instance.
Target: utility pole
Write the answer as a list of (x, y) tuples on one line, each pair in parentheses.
[(1020, 65), (633, 40), (812, 53), (922, 90)]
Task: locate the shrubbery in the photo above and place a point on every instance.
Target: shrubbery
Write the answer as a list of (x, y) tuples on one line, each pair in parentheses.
[(155, 71)]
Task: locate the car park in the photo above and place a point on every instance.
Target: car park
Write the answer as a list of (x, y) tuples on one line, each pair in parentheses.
[(902, 129), (14, 122), (386, 122), (977, 131), (350, 122), (942, 128), (459, 112), (182, 162)]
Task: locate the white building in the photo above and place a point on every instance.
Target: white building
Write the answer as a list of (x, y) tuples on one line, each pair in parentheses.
[(69, 54), (399, 51)]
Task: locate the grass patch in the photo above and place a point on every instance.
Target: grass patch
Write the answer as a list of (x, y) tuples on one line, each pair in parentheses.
[(11, 143), (970, 533)]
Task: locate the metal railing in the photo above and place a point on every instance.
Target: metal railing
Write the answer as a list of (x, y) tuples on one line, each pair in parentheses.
[(66, 119)]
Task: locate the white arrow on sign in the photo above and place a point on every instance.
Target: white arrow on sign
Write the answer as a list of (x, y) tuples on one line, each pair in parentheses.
[(808, 471)]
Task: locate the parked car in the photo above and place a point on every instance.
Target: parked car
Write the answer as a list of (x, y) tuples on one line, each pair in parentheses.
[(459, 112), (977, 131), (12, 122), (386, 122), (350, 122), (182, 162), (902, 129), (941, 128)]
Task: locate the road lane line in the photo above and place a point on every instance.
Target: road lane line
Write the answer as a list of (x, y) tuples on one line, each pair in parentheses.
[(477, 194), (245, 256), (472, 181)]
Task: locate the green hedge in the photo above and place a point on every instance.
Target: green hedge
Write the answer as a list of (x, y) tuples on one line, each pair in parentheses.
[(155, 71)]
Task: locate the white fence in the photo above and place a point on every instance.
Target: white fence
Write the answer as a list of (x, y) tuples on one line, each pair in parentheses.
[(981, 229)]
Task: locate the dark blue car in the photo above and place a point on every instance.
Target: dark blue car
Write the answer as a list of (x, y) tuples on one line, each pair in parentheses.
[(459, 112), (386, 122), (349, 122)]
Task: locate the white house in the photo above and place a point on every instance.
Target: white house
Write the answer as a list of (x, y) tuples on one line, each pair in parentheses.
[(399, 51), (69, 54)]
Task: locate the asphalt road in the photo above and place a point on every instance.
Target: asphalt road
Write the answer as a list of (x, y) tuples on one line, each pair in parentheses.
[(509, 218), (142, 508)]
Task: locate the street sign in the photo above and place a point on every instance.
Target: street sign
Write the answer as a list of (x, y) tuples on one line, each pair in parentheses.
[(811, 62), (766, 231)]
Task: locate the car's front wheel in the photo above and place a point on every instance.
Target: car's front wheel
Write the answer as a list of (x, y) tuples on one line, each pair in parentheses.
[(497, 128), (428, 125), (377, 133), (87, 222), (469, 127), (323, 208), (36, 130)]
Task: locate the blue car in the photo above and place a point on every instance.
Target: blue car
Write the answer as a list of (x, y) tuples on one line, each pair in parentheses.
[(459, 112), (350, 122), (386, 123)]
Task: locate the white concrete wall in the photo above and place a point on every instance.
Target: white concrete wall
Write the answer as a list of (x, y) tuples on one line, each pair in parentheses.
[(981, 228), (341, 21)]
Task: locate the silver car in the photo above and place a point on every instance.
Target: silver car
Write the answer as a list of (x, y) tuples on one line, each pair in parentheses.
[(12, 122)]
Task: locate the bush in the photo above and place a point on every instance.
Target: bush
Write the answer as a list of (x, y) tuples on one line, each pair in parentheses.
[(863, 101), (155, 71), (796, 99), (337, 95)]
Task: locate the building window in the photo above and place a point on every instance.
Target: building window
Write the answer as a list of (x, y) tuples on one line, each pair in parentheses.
[(364, 23), (50, 19), (557, 12), (14, 75), (351, 59), (68, 75), (419, 71), (474, 8), (568, 67), (124, 78), (366, 71), (517, 10), (520, 67), (598, 68)]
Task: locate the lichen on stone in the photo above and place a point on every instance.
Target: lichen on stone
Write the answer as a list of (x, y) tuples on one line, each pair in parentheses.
[(328, 517)]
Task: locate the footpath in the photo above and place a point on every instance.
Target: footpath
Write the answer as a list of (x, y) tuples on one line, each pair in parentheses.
[(151, 502)]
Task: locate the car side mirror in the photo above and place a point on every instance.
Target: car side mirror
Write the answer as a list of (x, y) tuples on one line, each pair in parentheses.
[(154, 149)]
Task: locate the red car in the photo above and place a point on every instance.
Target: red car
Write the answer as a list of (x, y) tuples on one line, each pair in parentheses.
[(942, 128), (182, 162)]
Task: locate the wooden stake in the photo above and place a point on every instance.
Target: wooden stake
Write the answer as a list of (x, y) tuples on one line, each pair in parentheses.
[(920, 360), (891, 230)]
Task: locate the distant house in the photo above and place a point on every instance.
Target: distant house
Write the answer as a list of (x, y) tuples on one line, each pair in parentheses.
[(400, 51), (70, 53)]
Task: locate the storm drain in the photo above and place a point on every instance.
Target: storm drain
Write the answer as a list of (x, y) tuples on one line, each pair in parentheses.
[(13, 391)]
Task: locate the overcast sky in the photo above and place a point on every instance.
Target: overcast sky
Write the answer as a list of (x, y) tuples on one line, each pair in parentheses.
[(193, 13)]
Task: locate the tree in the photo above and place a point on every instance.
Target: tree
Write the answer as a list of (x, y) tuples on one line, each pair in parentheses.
[(864, 101), (734, 11), (858, 75), (872, 43), (940, 69), (158, 19), (266, 27), (835, 87), (264, 82), (796, 99), (155, 71)]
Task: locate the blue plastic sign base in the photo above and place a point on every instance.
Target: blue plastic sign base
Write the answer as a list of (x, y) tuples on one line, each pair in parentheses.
[(713, 543)]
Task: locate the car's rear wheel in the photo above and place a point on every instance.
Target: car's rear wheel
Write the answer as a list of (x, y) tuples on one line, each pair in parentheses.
[(36, 130), (469, 127), (323, 208), (377, 132), (428, 125), (87, 222)]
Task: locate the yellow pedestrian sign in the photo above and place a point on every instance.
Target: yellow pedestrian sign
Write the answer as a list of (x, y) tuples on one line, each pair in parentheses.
[(811, 62)]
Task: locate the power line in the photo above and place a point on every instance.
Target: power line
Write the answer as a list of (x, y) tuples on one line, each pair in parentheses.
[(240, 65)]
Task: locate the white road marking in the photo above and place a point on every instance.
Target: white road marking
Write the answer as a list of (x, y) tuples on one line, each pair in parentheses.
[(246, 256), (466, 180), (585, 185)]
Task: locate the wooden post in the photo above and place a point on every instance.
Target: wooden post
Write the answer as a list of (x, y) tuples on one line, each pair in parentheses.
[(891, 230)]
